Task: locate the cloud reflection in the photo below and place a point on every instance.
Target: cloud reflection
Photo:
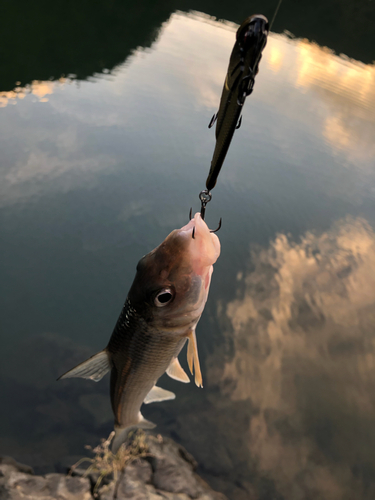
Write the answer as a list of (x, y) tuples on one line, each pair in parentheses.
[(348, 87), (303, 339), (40, 89), (188, 62)]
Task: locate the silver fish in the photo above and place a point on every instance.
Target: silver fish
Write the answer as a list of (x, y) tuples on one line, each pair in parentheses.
[(160, 313)]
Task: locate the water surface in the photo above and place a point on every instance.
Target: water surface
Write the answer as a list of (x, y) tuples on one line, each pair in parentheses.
[(96, 172)]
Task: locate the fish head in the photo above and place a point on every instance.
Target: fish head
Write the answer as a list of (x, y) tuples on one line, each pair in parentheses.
[(171, 285)]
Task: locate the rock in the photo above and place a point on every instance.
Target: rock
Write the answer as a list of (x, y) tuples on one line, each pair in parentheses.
[(68, 487), (15, 485), (166, 473), (171, 471), (133, 481), (140, 469), (165, 495), (174, 473), (15, 465)]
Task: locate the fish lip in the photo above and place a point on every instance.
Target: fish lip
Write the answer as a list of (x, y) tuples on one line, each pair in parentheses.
[(188, 227), (207, 247)]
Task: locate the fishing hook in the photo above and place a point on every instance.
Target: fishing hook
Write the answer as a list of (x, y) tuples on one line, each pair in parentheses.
[(213, 120), (217, 229), (205, 196)]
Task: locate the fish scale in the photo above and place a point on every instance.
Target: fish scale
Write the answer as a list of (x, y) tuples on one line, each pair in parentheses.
[(150, 352)]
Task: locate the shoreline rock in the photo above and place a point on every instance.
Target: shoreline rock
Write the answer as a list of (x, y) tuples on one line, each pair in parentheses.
[(168, 473)]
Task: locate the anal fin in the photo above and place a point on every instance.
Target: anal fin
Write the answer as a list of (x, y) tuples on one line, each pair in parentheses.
[(176, 371), (93, 368), (158, 394), (193, 359)]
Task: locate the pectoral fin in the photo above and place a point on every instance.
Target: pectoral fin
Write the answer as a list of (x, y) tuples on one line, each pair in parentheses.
[(158, 394), (193, 359), (176, 371), (93, 368)]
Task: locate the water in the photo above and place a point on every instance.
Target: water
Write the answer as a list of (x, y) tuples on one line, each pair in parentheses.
[(97, 168)]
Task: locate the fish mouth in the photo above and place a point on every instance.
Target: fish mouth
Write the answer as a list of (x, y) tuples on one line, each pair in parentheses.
[(200, 253), (188, 227), (204, 248)]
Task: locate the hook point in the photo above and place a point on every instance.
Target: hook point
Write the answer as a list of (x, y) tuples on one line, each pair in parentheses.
[(218, 227)]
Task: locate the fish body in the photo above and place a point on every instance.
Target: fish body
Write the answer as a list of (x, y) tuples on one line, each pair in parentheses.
[(251, 39), (160, 314)]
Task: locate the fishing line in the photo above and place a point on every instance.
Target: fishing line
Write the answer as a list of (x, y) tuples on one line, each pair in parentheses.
[(275, 14)]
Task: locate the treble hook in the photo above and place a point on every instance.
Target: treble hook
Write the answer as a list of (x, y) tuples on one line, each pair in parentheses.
[(205, 196), (213, 120), (217, 229)]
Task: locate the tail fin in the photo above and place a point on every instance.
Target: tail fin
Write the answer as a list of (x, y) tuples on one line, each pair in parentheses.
[(121, 433), (93, 368)]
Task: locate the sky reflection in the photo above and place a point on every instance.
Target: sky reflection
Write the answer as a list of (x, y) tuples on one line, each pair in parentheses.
[(36, 88), (302, 333), (332, 98)]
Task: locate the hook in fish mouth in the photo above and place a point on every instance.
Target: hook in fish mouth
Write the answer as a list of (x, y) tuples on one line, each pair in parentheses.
[(211, 230)]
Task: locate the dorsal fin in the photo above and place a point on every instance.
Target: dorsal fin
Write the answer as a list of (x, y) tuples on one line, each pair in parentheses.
[(93, 368), (193, 359), (176, 371), (158, 394)]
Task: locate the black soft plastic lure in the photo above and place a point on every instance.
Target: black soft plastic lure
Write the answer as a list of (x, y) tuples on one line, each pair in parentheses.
[(251, 39)]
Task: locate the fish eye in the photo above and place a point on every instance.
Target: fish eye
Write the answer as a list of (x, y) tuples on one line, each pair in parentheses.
[(164, 297)]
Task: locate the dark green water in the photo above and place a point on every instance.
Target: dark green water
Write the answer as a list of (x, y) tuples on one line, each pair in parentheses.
[(104, 147)]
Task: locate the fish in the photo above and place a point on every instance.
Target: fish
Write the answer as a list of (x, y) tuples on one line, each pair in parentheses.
[(251, 38), (160, 314)]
